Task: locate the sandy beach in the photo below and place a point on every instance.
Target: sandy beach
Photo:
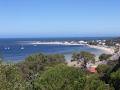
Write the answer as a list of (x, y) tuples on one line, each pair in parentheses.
[(107, 50)]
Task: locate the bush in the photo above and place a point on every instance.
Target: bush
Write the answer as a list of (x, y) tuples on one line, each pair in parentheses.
[(60, 77), (93, 82), (115, 79), (101, 69), (104, 57), (10, 78), (83, 56)]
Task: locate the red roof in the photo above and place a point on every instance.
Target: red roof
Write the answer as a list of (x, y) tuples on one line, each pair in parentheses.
[(92, 69)]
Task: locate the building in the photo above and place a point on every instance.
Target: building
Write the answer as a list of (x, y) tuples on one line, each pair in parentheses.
[(92, 69)]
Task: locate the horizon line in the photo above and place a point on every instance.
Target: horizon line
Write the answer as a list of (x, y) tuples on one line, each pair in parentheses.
[(60, 37)]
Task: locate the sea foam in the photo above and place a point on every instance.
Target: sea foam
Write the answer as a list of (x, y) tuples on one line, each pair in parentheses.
[(53, 42)]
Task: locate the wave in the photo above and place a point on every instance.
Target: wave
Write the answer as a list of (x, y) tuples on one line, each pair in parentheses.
[(53, 42)]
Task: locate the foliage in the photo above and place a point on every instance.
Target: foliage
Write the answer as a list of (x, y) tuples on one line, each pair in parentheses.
[(31, 66), (83, 56), (49, 72), (10, 78), (116, 75), (109, 43), (104, 57), (94, 83), (37, 63), (93, 42), (56, 58), (113, 41), (61, 77), (112, 75), (115, 79), (101, 69)]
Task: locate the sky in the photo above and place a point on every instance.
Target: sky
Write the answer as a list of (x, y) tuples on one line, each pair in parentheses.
[(59, 18)]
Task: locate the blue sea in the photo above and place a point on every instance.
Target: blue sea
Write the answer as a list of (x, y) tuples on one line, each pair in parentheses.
[(17, 49)]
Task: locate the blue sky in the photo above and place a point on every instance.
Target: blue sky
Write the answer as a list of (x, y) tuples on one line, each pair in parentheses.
[(59, 18)]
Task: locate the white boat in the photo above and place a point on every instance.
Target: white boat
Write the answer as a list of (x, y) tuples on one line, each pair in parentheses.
[(22, 48), (7, 48), (34, 45)]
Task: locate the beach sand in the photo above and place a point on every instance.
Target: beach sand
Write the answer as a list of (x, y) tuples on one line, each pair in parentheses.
[(107, 50)]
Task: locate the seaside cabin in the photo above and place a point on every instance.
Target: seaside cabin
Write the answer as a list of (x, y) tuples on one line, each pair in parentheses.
[(117, 44), (92, 69)]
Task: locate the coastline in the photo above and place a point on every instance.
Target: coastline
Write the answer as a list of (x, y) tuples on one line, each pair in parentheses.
[(107, 50), (104, 49)]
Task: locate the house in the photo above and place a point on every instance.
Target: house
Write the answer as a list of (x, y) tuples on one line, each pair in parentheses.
[(92, 69)]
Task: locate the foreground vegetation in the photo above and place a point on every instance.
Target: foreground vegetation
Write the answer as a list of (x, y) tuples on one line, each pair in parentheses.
[(50, 72)]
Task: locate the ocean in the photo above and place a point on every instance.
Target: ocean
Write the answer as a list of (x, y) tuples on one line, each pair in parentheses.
[(17, 49)]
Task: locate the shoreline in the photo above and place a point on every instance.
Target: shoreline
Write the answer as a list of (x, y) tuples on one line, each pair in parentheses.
[(108, 50), (103, 49)]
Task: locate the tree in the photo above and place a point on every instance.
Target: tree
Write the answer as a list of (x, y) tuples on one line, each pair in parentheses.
[(61, 77), (93, 42), (32, 65), (112, 76), (83, 56), (56, 58), (10, 78), (75, 57), (102, 69), (37, 63), (49, 72), (109, 43), (93, 82), (104, 57), (115, 76), (115, 79)]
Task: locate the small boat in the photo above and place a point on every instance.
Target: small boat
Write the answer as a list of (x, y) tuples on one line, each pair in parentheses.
[(34, 45), (22, 48), (7, 48)]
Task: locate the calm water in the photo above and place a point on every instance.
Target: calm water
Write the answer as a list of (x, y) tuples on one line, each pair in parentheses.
[(19, 49)]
